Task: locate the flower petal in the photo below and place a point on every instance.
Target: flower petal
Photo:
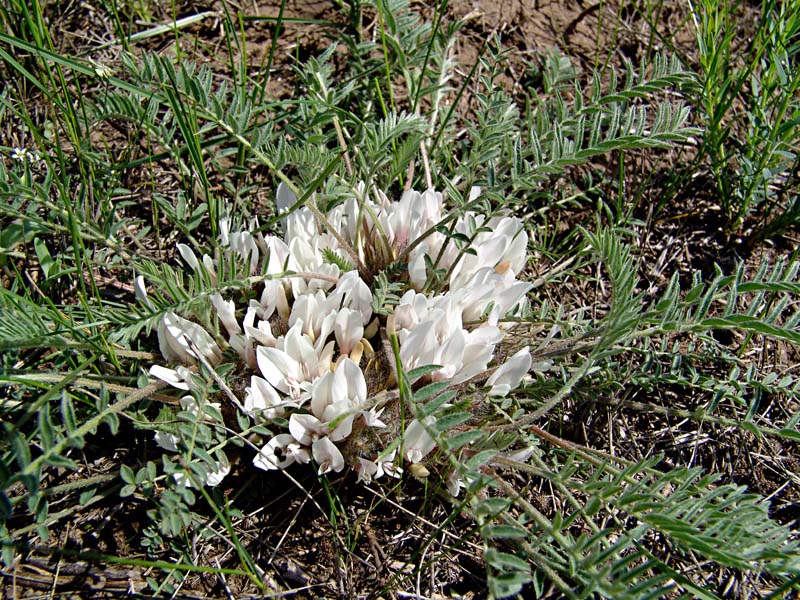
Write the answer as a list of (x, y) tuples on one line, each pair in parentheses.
[(367, 470), (189, 256), (417, 443), (226, 311), (280, 369), (179, 339), (140, 291), (349, 329), (339, 416), (215, 477), (275, 455), (170, 376), (356, 383), (262, 399), (327, 389), (306, 428), (284, 199), (327, 456), (510, 373)]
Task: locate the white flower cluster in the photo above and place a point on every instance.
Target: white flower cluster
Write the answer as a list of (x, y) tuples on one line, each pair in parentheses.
[(316, 353), (24, 155)]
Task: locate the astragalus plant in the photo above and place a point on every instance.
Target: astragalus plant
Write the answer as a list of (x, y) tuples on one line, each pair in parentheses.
[(323, 354), (351, 284)]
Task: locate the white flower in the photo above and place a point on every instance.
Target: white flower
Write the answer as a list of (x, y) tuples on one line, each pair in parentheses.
[(24, 155), (436, 246), (372, 418), (327, 456), (521, 455), (101, 70), (349, 329), (288, 367), (335, 400), (180, 377), (437, 339), (417, 442), (284, 200), (454, 483), (367, 470), (274, 295), (414, 214), (515, 254), (140, 291), (440, 339), (310, 374), (206, 265), (499, 244), (386, 465), (417, 268), (412, 307), (310, 258), (344, 218), (301, 225), (351, 292), (189, 257), (245, 344), (486, 287), (214, 478), (280, 452), (479, 347), (196, 407), (317, 314), (365, 225), (244, 244), (262, 400), (180, 340), (306, 428), (211, 479), (502, 248), (226, 311), (510, 373), (383, 465)]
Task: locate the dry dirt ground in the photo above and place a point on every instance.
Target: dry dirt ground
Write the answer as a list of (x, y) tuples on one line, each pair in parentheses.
[(283, 519)]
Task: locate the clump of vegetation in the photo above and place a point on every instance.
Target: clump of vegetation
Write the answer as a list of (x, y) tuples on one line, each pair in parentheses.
[(749, 101), (219, 283)]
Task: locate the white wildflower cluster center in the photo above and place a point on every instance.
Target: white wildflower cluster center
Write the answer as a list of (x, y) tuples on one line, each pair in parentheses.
[(315, 351)]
